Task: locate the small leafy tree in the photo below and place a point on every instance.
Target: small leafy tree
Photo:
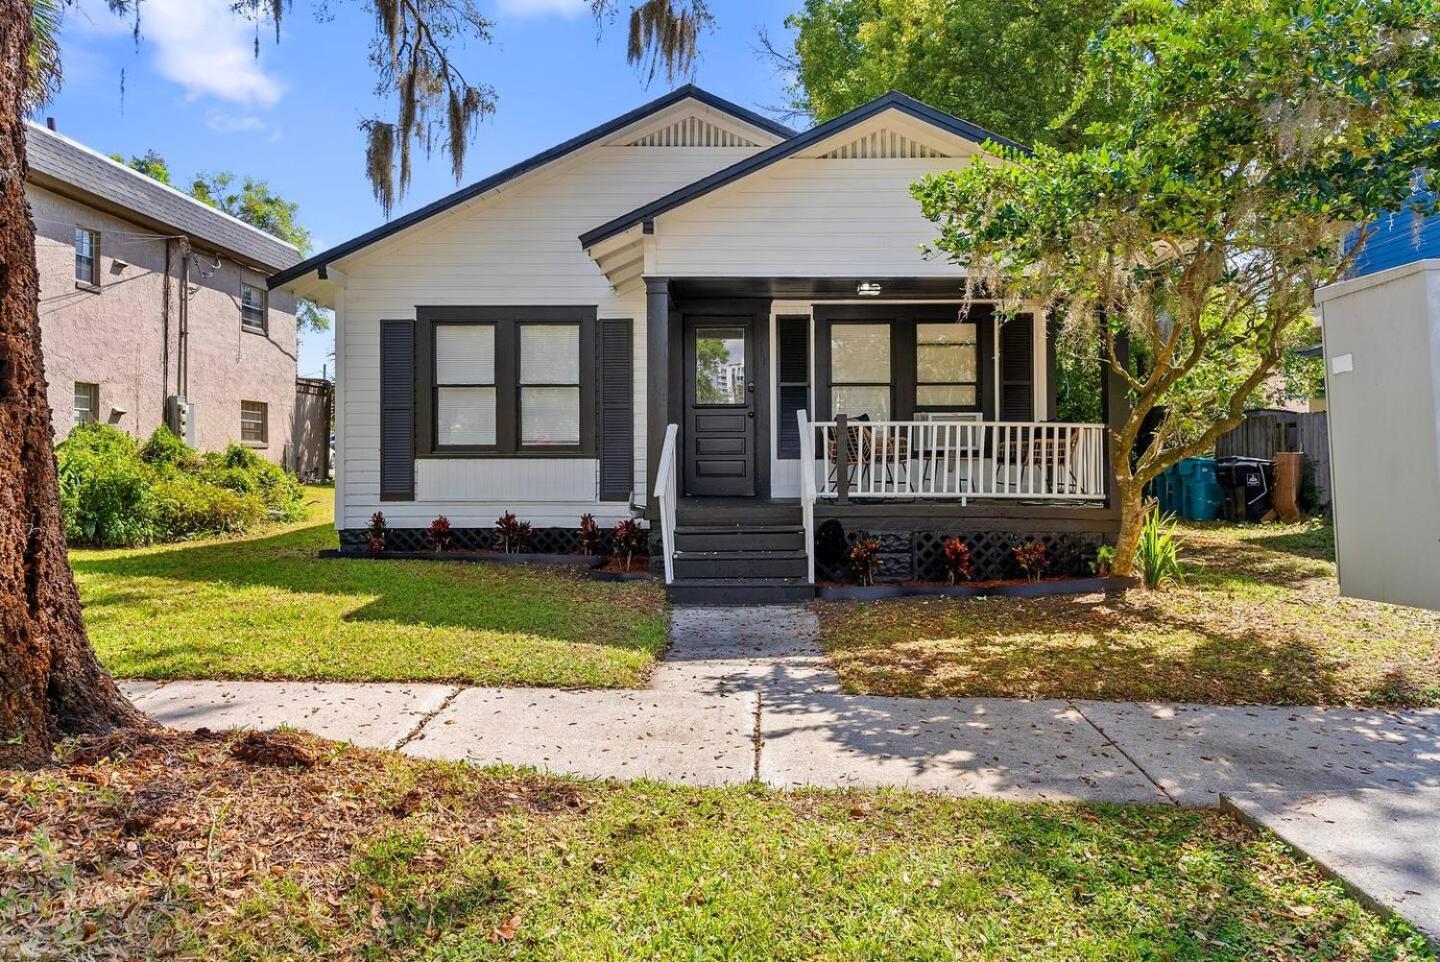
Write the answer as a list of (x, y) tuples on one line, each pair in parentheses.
[(865, 559), (513, 534), (1250, 139), (442, 534), (957, 560), (1032, 558), (592, 542), (629, 540), (375, 533)]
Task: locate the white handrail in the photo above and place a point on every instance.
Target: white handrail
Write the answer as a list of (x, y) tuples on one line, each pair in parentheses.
[(807, 490), (665, 499), (946, 459)]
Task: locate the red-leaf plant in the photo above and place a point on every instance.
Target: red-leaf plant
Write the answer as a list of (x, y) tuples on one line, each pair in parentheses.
[(629, 540), (865, 559), (957, 560), (442, 535), (514, 533), (375, 534), (1033, 559), (592, 542)]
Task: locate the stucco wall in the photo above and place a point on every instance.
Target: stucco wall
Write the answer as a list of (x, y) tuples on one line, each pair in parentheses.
[(114, 337)]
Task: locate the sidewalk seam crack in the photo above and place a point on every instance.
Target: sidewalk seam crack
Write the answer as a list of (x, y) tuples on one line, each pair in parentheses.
[(1128, 757), (428, 717)]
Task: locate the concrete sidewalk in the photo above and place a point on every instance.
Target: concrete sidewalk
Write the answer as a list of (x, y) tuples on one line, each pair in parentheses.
[(746, 694)]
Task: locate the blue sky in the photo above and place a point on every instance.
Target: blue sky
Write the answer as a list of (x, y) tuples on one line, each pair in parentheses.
[(194, 91)]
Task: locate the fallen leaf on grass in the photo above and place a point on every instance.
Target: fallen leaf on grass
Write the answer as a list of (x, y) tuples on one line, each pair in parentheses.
[(506, 930)]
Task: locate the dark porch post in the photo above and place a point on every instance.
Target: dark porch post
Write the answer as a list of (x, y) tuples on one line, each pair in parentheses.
[(657, 381), (1114, 403)]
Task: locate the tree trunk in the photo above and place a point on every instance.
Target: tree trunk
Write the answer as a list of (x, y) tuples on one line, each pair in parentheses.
[(50, 681), (1130, 494)]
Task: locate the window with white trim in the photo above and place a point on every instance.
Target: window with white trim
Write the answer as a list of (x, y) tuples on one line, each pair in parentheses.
[(87, 256), (253, 307)]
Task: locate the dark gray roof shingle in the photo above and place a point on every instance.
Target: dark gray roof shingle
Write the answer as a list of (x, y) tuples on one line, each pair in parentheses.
[(60, 164)]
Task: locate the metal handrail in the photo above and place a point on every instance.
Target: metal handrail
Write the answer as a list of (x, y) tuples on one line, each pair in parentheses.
[(665, 499), (808, 491)]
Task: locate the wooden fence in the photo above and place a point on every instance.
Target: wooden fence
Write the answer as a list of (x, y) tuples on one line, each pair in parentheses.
[(1265, 433), (314, 413)]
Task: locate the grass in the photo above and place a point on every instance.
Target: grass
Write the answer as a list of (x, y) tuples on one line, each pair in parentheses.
[(170, 843), (1259, 619), (266, 607)]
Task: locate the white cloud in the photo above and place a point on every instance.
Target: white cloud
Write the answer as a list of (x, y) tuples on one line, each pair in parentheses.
[(544, 8), (199, 44), (223, 123)]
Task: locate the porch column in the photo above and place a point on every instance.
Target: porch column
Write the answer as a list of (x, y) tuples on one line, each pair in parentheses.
[(657, 381), (1114, 403)]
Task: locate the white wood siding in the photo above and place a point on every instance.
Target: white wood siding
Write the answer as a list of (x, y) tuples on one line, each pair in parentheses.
[(807, 217), (516, 246)]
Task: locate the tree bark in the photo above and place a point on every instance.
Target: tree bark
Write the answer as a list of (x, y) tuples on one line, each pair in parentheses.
[(51, 683), (1130, 493)]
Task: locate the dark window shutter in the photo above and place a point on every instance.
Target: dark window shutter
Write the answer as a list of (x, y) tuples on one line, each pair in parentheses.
[(397, 411), (792, 342), (1017, 369), (617, 410)]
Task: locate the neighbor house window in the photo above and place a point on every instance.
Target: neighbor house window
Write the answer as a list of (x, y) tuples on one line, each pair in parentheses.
[(465, 385), (947, 366), (254, 422), (87, 403), (252, 307), (87, 256), (549, 385), (860, 370)]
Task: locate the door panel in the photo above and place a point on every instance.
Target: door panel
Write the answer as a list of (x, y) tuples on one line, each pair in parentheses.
[(719, 445)]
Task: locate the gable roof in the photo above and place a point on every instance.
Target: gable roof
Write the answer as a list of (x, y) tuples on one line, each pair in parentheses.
[(788, 148), (605, 130), (71, 169)]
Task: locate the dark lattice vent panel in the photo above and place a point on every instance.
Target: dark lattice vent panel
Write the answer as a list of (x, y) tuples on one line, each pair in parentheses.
[(920, 555), (542, 540)]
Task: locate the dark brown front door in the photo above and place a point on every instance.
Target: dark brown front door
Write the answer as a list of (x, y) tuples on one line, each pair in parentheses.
[(719, 430)]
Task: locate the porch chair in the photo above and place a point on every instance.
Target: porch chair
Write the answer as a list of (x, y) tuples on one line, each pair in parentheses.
[(861, 444), (1039, 452), (960, 458)]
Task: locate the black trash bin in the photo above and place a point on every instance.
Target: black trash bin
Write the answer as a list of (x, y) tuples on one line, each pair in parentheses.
[(1247, 484)]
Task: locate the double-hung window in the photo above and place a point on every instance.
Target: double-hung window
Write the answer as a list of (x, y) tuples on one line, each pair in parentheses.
[(87, 257), (947, 366), (860, 379), (254, 423), (465, 392), (549, 385), (506, 382), (87, 403), (252, 308)]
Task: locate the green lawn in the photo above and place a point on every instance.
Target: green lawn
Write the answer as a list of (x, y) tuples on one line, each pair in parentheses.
[(176, 844), (266, 606), (1258, 620)]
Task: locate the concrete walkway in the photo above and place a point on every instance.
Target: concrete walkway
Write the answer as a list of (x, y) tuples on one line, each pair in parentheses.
[(746, 694)]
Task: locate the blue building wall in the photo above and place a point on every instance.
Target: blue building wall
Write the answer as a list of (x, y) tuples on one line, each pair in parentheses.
[(1398, 241)]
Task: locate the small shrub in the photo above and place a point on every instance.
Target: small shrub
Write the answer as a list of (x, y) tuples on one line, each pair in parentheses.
[(957, 560), (1104, 561), (514, 534), (1033, 559), (442, 536), (186, 507), (375, 533), (629, 540), (166, 452), (1158, 554), (865, 559), (592, 542), (105, 497), (241, 469)]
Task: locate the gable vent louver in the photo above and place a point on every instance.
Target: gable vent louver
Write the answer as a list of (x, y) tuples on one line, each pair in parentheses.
[(692, 132), (883, 145)]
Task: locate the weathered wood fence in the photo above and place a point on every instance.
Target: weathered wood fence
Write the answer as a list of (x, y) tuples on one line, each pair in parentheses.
[(314, 411), (1265, 433)]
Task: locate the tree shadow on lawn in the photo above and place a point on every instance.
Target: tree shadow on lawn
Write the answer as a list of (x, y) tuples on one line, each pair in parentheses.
[(556, 603)]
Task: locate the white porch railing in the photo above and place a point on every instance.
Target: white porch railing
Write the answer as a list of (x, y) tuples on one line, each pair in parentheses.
[(807, 490), (665, 499), (954, 459)]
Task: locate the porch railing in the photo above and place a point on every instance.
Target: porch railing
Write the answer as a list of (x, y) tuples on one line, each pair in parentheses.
[(954, 459), (665, 499), (808, 491)]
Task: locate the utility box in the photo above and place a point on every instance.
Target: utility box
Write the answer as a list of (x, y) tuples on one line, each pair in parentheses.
[(180, 418), (1382, 388)]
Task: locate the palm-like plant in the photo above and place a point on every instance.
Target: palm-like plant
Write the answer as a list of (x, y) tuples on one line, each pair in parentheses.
[(42, 63), (1158, 553)]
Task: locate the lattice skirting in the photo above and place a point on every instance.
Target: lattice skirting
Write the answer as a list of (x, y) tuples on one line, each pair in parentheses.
[(542, 540), (918, 555)]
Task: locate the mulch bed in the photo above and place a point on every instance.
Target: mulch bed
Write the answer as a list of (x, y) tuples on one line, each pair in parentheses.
[(832, 591)]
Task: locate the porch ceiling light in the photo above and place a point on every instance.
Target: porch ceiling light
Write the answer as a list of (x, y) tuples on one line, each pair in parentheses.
[(868, 289)]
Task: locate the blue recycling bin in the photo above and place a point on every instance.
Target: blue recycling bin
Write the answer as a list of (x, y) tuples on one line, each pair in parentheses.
[(1200, 494)]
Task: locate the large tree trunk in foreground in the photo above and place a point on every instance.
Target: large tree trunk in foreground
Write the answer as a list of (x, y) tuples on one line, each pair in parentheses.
[(50, 681)]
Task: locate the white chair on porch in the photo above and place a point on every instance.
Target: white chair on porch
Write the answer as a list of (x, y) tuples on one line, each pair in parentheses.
[(946, 448)]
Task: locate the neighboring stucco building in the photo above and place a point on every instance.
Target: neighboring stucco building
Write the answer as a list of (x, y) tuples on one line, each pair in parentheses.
[(114, 250)]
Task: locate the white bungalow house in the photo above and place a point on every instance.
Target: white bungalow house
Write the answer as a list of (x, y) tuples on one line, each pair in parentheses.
[(698, 315)]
